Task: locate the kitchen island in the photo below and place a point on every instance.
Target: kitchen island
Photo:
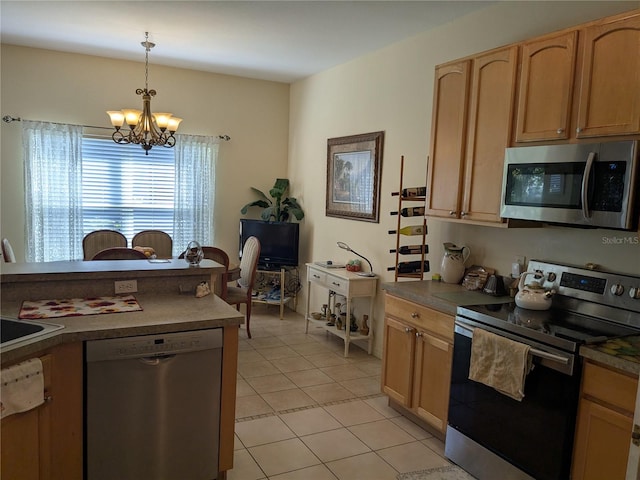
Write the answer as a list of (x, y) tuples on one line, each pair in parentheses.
[(50, 436)]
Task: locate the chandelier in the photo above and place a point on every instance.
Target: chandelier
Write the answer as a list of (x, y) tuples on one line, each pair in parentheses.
[(145, 129)]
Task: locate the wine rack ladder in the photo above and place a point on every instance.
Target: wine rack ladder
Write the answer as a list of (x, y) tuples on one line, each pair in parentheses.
[(401, 199)]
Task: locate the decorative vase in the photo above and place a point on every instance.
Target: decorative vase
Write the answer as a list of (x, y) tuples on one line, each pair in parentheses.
[(364, 330), (193, 254)]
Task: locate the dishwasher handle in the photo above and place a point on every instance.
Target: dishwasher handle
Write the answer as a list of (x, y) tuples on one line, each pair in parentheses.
[(156, 360)]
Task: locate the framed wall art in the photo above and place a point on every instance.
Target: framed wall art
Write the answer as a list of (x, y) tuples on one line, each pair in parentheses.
[(354, 169)]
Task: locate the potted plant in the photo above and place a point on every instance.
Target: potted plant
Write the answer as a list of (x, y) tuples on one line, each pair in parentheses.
[(279, 207)]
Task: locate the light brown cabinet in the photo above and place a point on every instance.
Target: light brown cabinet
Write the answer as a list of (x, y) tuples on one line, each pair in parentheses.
[(416, 365), (489, 133), (473, 111), (605, 423), (609, 97), (46, 442), (546, 88), (448, 132), (581, 83)]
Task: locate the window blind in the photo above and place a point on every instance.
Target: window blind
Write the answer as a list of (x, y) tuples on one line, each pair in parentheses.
[(123, 189)]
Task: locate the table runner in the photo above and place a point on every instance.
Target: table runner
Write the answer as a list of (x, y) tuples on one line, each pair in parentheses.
[(75, 307)]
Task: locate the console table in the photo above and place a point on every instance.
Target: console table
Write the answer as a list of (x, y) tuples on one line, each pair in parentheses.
[(350, 285), (288, 281)]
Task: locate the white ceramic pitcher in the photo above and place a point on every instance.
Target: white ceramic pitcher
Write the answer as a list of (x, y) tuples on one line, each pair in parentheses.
[(453, 262)]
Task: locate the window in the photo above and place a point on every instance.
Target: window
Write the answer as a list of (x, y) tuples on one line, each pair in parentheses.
[(76, 184), (123, 189)]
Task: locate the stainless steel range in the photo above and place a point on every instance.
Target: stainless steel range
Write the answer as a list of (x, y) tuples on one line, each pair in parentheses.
[(494, 436)]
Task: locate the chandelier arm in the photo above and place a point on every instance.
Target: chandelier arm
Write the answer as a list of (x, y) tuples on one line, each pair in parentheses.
[(119, 137)]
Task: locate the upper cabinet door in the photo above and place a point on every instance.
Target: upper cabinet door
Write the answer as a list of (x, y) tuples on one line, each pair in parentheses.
[(448, 133), (489, 133), (546, 88), (610, 80)]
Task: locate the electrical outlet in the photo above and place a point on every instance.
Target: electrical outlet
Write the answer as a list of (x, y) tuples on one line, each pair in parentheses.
[(126, 286), (520, 259)]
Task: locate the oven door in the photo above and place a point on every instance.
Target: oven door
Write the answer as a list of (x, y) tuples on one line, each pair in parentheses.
[(534, 435)]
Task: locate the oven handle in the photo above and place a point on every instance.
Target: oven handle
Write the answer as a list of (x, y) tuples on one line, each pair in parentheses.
[(532, 351), (585, 185)]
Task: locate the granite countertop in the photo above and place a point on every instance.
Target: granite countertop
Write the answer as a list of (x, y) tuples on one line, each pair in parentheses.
[(160, 314), (444, 297), (621, 353)]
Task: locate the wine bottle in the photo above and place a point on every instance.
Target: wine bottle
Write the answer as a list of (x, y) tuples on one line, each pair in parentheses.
[(410, 267), (410, 212), (411, 249), (410, 230), (412, 192)]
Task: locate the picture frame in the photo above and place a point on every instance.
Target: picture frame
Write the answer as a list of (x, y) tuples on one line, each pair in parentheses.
[(354, 171)]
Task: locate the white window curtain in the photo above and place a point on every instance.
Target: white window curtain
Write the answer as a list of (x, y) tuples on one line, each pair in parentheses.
[(196, 158), (53, 191)]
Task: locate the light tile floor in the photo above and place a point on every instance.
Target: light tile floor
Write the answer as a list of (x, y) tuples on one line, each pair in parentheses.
[(304, 412)]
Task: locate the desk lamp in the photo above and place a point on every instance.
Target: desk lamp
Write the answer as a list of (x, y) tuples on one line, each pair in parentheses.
[(346, 247)]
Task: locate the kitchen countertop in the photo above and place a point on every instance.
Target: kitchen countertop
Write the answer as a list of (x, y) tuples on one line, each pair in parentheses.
[(159, 285), (160, 314), (445, 298), (621, 353)]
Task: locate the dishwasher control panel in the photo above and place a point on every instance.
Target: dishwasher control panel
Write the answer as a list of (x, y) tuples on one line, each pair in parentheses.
[(153, 345)]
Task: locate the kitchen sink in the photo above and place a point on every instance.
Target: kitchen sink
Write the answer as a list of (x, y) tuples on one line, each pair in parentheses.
[(15, 331)]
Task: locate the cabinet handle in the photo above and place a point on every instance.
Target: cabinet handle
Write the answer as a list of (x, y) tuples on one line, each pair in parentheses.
[(560, 130), (408, 329), (463, 214), (415, 315), (316, 276), (578, 130), (452, 212), (335, 283), (48, 398), (419, 334), (635, 436)]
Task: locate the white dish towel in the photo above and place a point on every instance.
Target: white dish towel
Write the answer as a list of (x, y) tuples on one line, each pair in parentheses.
[(21, 387)]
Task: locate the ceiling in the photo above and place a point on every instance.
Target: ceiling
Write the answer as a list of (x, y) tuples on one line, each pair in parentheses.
[(281, 41)]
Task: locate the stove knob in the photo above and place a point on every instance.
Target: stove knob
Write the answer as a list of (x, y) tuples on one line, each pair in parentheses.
[(634, 292), (617, 289), (551, 277)]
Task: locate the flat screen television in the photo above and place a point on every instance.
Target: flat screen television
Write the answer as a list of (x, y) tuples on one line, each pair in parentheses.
[(278, 242)]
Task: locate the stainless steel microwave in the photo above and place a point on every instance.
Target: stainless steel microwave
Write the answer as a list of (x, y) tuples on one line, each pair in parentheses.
[(591, 185)]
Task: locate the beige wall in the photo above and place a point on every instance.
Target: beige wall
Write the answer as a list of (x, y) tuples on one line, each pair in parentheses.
[(78, 89), (391, 90)]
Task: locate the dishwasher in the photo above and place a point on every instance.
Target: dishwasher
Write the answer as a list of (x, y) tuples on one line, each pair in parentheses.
[(153, 406)]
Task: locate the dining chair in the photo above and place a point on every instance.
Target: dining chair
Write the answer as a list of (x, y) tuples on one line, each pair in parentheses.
[(160, 241), (119, 253), (248, 268), (98, 240), (217, 255), (7, 252)]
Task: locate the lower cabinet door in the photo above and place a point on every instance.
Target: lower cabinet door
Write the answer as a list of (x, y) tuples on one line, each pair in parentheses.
[(432, 379), (602, 443), (397, 366)]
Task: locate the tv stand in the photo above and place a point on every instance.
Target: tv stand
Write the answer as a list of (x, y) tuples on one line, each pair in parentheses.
[(269, 278)]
